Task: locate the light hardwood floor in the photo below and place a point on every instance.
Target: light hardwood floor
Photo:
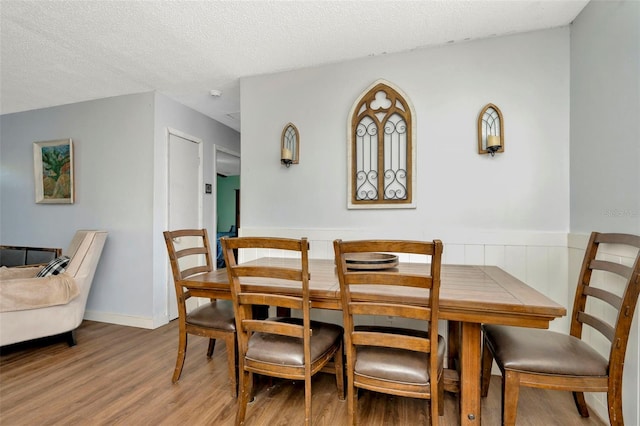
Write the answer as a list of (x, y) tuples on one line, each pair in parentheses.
[(120, 375)]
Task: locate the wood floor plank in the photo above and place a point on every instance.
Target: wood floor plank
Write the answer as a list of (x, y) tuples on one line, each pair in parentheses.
[(120, 375)]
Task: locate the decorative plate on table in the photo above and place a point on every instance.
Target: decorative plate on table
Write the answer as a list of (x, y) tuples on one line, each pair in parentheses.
[(371, 261)]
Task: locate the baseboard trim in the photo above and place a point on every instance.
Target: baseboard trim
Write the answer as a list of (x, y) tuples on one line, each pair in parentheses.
[(119, 319)]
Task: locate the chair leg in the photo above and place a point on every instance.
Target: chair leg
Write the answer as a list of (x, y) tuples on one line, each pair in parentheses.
[(435, 403), (245, 394), (510, 394), (338, 362), (615, 407), (182, 352), (581, 404), (252, 386), (485, 375), (352, 400), (212, 345), (307, 400), (230, 342)]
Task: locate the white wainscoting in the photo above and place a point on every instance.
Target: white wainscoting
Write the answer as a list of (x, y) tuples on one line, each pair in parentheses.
[(538, 259)]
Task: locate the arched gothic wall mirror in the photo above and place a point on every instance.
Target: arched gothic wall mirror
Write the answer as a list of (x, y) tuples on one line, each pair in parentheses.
[(381, 155)]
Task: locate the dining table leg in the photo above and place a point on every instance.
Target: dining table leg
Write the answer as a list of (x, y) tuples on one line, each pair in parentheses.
[(470, 351)]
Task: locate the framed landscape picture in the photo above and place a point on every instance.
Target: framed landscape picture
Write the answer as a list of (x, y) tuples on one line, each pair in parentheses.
[(53, 171)]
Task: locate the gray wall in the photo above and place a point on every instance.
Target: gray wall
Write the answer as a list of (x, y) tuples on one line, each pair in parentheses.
[(605, 152), (113, 191), (605, 118), (120, 150), (526, 188)]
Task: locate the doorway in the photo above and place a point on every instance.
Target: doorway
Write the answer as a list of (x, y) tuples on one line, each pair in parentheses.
[(227, 220)]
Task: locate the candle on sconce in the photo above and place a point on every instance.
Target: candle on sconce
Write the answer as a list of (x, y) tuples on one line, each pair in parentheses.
[(286, 154), (493, 140)]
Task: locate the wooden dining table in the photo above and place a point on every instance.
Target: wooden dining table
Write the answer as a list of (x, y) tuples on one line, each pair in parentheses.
[(470, 295)]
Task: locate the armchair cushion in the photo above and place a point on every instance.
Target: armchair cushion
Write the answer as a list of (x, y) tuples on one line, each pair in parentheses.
[(55, 267)]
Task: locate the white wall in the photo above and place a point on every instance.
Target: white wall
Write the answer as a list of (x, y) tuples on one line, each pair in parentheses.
[(511, 210), (605, 152), (120, 154)]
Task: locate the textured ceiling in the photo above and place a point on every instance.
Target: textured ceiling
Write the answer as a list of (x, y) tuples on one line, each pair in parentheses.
[(60, 52)]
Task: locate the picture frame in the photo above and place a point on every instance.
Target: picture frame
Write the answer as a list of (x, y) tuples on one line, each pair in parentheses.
[(53, 172)]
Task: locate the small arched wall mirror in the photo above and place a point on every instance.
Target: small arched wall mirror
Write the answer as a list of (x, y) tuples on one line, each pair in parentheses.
[(490, 130), (290, 146)]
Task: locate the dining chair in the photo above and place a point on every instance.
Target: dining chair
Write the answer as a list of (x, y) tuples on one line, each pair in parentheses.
[(605, 300), (190, 254), (393, 360), (284, 347)]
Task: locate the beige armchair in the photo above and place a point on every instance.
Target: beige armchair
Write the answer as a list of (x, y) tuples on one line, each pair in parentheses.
[(20, 321)]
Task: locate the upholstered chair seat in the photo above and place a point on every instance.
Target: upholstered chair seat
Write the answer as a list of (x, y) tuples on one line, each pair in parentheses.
[(213, 315), (289, 351), (397, 365), (544, 352)]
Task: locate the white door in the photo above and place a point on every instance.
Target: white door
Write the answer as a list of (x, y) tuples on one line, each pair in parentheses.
[(185, 194)]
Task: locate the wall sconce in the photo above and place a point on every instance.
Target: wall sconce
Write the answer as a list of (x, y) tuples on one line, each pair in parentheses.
[(290, 145), (490, 130)]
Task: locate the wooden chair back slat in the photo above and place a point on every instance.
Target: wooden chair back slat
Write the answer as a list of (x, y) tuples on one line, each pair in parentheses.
[(603, 327), (399, 246), (389, 278), (617, 238), (615, 268), (367, 338), (389, 309), (598, 293), (272, 272), (282, 329), (191, 251), (186, 273), (270, 300)]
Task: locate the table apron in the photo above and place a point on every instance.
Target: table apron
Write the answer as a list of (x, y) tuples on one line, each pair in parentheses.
[(483, 317)]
